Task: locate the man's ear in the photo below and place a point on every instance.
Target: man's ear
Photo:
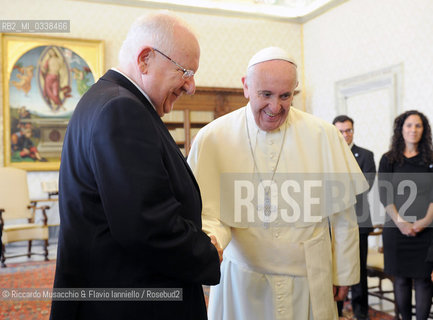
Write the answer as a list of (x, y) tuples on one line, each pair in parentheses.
[(143, 59), (245, 85)]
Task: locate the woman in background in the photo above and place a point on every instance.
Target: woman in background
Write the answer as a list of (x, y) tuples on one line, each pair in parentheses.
[(406, 191)]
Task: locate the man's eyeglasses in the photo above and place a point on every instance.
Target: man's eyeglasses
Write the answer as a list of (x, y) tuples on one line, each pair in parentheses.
[(348, 131), (186, 73)]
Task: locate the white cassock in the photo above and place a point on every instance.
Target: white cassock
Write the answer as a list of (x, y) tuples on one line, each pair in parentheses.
[(283, 269)]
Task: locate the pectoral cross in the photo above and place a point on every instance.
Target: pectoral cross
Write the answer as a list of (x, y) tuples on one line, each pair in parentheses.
[(267, 207)]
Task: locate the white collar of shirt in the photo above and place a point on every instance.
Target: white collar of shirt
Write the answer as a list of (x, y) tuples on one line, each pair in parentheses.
[(138, 87), (351, 145)]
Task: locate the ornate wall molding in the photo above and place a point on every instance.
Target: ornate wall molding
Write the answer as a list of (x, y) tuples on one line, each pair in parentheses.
[(390, 79)]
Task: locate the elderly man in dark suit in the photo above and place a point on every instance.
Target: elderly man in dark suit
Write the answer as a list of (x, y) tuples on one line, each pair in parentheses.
[(130, 207), (365, 159)]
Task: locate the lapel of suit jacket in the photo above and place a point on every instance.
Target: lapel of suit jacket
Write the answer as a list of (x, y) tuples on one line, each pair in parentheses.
[(120, 80), (355, 150)]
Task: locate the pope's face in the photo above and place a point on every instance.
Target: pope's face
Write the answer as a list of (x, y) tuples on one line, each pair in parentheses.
[(270, 87)]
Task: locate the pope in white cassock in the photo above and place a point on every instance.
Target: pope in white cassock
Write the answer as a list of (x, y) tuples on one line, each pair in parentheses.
[(290, 250)]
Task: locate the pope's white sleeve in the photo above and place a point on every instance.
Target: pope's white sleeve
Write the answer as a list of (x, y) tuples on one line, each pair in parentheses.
[(345, 247), (205, 170), (215, 227)]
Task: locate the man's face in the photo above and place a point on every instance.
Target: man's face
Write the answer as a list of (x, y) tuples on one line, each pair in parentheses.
[(270, 87), (346, 129), (167, 83)]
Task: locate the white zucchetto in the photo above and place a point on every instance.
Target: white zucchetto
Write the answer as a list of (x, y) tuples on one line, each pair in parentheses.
[(271, 53)]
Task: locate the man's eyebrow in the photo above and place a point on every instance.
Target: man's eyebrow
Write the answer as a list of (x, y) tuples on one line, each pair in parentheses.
[(287, 92)]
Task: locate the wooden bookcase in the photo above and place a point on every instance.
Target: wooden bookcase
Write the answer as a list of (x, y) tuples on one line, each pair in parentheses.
[(190, 113)]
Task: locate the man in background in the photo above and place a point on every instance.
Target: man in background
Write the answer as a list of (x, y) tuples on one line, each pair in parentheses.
[(130, 207), (276, 269), (365, 159)]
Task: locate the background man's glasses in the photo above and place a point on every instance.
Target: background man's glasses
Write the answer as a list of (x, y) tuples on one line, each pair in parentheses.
[(186, 73), (348, 131)]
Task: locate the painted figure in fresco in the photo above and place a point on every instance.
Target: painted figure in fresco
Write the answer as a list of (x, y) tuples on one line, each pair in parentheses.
[(18, 122), (82, 79), (25, 74), (51, 72), (22, 144)]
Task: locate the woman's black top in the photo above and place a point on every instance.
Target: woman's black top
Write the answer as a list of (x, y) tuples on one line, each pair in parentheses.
[(409, 186)]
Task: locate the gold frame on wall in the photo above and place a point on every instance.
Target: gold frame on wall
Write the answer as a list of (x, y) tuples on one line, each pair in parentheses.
[(51, 99)]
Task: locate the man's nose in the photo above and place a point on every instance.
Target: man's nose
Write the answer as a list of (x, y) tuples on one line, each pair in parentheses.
[(275, 105), (189, 86)]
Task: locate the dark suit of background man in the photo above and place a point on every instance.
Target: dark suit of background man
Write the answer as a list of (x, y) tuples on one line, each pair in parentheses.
[(365, 159), (130, 207)]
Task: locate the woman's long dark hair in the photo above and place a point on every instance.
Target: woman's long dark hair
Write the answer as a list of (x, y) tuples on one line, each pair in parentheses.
[(425, 148)]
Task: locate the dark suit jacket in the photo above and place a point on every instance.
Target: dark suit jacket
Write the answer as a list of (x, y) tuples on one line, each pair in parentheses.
[(130, 210), (365, 159), (430, 253)]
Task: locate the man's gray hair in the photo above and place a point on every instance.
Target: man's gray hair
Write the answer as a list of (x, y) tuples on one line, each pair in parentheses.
[(154, 30)]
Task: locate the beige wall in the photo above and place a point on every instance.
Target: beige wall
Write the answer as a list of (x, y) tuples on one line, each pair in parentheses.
[(227, 43)]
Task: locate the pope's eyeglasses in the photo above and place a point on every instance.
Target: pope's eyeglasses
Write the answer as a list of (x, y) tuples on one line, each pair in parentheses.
[(186, 73)]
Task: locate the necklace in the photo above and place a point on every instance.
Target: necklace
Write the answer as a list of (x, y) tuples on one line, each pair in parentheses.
[(267, 206)]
